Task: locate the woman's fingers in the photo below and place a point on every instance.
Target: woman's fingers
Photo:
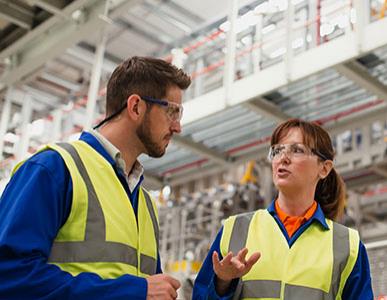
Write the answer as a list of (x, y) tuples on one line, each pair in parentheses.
[(252, 260), (227, 259), (233, 266), (242, 255), (215, 261), (220, 264)]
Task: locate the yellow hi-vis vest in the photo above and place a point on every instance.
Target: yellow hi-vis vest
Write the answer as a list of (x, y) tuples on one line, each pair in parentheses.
[(101, 234), (316, 267)]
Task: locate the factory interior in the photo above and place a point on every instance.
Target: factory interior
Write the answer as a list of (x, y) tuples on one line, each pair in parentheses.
[(253, 64)]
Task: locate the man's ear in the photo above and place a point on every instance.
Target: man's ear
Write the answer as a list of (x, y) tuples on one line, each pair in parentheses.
[(326, 168), (135, 107)]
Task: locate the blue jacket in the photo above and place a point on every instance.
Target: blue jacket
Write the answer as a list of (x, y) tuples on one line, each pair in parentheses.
[(35, 204), (358, 285)]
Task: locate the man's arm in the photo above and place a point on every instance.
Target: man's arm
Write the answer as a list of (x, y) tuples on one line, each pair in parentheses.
[(33, 207), (358, 285)]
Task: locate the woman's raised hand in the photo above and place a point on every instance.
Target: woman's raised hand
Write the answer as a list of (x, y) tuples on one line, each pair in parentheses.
[(231, 267)]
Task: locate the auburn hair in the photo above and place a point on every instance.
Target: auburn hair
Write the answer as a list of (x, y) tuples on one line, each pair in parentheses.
[(330, 191)]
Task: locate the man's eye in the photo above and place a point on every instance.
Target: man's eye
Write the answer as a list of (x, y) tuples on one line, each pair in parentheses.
[(173, 111)]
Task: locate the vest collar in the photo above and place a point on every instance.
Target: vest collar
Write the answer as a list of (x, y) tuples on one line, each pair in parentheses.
[(318, 215), (93, 142)]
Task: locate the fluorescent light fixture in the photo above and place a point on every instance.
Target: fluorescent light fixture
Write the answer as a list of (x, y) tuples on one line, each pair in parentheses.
[(298, 43), (36, 128), (11, 137), (296, 2), (326, 29), (268, 28), (278, 52)]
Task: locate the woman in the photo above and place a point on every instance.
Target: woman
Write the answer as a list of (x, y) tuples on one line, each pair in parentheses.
[(298, 252)]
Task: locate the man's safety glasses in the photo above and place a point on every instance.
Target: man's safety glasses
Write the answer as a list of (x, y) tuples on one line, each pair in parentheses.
[(174, 111)]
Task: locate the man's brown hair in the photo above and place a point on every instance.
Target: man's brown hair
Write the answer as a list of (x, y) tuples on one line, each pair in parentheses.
[(145, 76)]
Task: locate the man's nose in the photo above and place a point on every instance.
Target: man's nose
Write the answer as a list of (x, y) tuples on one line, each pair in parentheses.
[(176, 127)]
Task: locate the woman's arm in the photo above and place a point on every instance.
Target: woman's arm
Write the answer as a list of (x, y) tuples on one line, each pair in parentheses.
[(358, 285)]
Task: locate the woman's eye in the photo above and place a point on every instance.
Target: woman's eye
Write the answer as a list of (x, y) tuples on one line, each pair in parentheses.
[(298, 150), (277, 151)]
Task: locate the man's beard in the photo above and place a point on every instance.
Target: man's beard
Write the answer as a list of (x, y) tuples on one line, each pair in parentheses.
[(145, 136)]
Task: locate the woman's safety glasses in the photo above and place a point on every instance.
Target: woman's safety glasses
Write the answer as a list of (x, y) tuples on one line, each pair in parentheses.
[(292, 151)]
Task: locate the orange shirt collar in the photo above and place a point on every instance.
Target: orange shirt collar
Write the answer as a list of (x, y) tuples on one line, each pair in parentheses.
[(292, 223)]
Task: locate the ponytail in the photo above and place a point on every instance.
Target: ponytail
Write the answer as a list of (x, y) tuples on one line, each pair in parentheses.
[(330, 194)]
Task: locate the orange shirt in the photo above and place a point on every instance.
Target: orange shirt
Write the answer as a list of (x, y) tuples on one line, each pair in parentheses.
[(292, 223)]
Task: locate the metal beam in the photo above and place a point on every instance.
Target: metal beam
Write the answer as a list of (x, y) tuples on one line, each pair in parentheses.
[(40, 30), (52, 6), (359, 74), (153, 37), (16, 14), (202, 150), (267, 109), (380, 171), (62, 34), (168, 17), (195, 174), (185, 12)]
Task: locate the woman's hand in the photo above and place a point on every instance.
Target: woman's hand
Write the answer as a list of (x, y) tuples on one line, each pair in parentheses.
[(231, 267)]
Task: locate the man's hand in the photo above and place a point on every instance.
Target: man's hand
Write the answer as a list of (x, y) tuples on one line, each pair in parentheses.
[(231, 267), (162, 287)]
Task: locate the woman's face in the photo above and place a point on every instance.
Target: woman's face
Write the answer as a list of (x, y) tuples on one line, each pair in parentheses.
[(295, 169)]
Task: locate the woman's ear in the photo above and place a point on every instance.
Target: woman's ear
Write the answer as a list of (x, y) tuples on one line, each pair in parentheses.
[(326, 168)]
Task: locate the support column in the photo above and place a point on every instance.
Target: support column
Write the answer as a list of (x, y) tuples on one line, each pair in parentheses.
[(257, 42), (229, 65), (24, 141), (266, 183), (198, 84), (360, 23), (314, 22), (182, 238), (366, 143), (96, 74), (289, 40), (5, 115), (165, 236), (358, 216), (57, 125), (178, 57)]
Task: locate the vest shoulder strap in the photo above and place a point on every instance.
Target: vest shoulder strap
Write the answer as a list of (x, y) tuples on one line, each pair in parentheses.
[(153, 214)]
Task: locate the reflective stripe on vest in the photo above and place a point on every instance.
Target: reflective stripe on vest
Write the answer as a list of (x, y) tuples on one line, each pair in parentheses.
[(95, 248), (272, 288), (149, 264)]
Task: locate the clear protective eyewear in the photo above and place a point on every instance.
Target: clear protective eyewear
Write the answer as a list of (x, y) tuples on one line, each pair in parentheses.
[(292, 151), (173, 110)]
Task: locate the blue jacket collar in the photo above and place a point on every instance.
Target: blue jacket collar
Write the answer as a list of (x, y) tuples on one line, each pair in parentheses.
[(93, 142), (318, 215)]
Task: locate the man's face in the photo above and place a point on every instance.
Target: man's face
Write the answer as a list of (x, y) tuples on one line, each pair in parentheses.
[(157, 128)]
